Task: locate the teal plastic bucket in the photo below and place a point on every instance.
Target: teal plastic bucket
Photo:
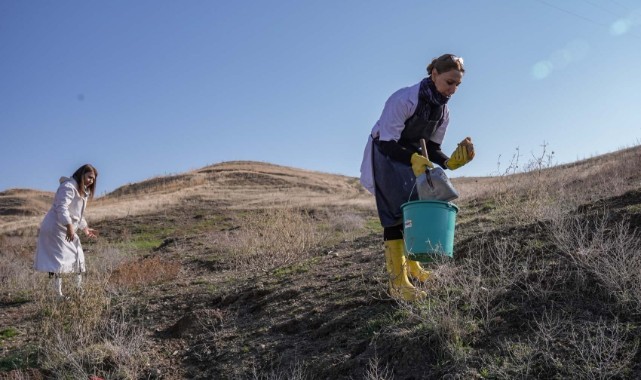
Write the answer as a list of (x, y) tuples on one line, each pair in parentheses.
[(429, 229)]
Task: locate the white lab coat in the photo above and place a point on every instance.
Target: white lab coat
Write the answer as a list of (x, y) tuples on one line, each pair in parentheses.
[(53, 252), (400, 106)]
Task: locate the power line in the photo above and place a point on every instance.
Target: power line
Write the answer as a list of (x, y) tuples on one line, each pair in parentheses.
[(573, 14), (601, 7), (621, 5), (583, 17)]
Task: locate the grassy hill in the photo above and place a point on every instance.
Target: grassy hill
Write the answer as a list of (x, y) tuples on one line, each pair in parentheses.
[(252, 270)]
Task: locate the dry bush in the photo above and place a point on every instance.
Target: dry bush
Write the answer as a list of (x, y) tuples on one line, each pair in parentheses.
[(561, 346), (77, 336), (488, 273), (601, 350), (82, 336), (608, 252), (106, 257), (349, 225), (112, 349), (20, 374), (538, 190), (17, 278), (466, 296), (296, 371), (519, 194), (583, 349), (274, 238), (375, 371), (516, 360), (146, 271), (84, 308)]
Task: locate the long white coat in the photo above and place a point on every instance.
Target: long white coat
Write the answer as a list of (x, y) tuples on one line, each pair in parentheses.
[(54, 253)]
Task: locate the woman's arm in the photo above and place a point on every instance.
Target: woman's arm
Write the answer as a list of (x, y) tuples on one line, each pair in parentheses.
[(435, 154), (64, 197)]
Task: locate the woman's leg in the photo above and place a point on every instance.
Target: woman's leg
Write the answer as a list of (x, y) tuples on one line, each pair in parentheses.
[(399, 284)]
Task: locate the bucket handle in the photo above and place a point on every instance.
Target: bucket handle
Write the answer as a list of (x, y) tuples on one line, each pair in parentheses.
[(428, 176)]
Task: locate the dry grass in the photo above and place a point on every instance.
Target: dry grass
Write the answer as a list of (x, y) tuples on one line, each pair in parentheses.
[(146, 271), (280, 237), (81, 335), (293, 372), (469, 298), (509, 306), (607, 252), (466, 297), (536, 190), (377, 370), (84, 335), (17, 279), (238, 185)]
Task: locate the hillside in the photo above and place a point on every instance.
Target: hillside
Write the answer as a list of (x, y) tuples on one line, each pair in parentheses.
[(234, 184), (251, 270), (18, 206)]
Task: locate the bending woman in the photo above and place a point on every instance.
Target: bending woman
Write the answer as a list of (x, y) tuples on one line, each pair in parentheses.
[(393, 159), (59, 249)]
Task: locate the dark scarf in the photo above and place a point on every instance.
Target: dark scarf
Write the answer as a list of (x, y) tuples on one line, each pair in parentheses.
[(427, 92), (427, 117)]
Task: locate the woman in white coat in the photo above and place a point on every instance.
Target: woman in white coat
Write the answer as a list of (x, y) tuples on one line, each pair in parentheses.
[(59, 249)]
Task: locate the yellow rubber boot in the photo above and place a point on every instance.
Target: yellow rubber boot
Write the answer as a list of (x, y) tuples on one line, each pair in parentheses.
[(415, 270), (399, 285)]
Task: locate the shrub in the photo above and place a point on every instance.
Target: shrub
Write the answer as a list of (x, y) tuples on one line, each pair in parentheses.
[(274, 238)]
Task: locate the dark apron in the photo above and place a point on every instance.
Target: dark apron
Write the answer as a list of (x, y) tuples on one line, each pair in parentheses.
[(394, 183)]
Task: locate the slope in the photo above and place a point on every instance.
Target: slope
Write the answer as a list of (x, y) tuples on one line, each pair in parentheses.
[(280, 279)]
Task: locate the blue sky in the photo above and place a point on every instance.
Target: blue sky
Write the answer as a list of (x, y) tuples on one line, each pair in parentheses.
[(148, 88)]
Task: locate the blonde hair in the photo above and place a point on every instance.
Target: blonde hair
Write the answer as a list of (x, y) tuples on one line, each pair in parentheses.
[(445, 63)]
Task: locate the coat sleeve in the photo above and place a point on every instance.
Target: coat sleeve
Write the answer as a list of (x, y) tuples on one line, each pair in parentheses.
[(398, 108), (61, 203)]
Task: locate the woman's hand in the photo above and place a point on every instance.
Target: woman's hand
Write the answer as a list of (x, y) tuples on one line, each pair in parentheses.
[(463, 154), (420, 164), (70, 233), (90, 232)]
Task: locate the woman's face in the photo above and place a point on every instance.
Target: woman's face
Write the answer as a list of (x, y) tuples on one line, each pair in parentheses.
[(89, 178), (446, 83)]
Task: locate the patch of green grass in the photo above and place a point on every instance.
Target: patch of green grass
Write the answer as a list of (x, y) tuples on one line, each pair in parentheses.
[(19, 297), (386, 320), (373, 225), (147, 237), (200, 281), (301, 267), (8, 333), (488, 206), (634, 209), (146, 243), (211, 222), (19, 359)]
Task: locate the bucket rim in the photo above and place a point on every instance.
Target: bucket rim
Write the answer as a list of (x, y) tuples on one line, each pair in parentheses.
[(444, 203)]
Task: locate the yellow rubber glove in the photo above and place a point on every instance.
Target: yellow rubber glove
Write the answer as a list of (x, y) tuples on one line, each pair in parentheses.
[(420, 164), (463, 154)]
